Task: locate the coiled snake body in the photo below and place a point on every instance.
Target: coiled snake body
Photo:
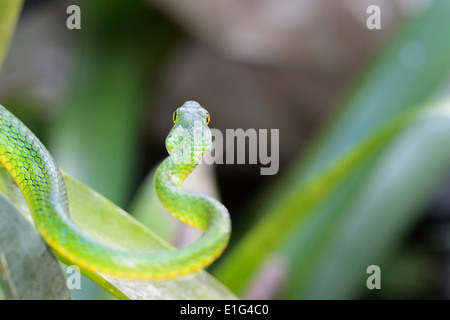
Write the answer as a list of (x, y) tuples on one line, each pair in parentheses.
[(42, 185)]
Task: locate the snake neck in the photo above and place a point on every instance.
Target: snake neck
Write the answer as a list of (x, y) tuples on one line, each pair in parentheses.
[(175, 174), (168, 179)]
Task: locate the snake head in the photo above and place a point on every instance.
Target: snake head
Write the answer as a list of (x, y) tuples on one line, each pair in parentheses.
[(190, 138)]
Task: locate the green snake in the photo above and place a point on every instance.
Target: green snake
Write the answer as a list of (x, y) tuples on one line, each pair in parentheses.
[(42, 185)]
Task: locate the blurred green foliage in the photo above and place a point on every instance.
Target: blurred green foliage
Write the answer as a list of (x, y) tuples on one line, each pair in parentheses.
[(121, 53), (311, 230)]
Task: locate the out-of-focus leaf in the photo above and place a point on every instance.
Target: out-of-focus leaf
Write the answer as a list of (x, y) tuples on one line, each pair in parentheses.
[(393, 85), (28, 268), (388, 203), (121, 50), (110, 224), (9, 13)]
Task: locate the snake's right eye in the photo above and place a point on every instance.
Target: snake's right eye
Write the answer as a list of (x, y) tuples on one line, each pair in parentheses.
[(174, 117)]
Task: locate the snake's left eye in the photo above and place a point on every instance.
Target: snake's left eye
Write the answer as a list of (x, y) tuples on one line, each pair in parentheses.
[(208, 118), (174, 117)]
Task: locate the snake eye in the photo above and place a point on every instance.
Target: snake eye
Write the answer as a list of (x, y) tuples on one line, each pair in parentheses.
[(174, 117), (208, 118)]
